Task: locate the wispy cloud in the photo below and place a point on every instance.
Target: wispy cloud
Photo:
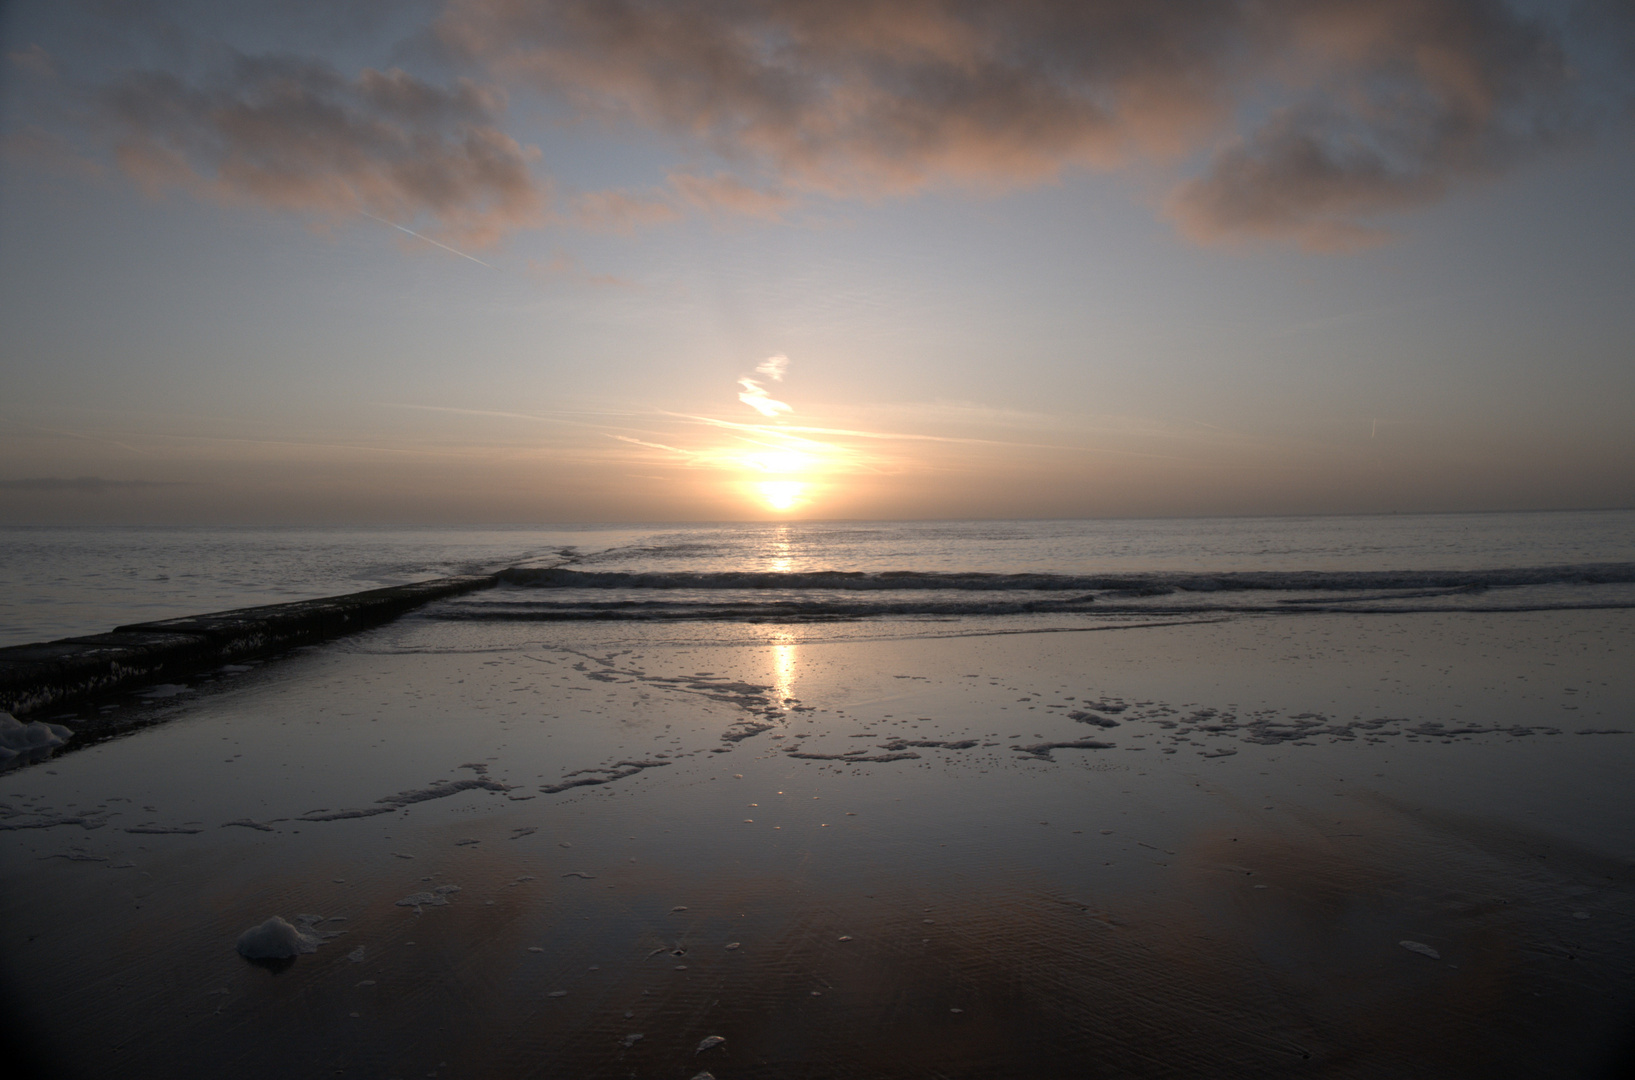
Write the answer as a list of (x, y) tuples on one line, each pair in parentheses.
[(562, 265), (542, 418), (49, 152), (754, 394), (34, 60), (793, 430), (82, 485), (773, 367)]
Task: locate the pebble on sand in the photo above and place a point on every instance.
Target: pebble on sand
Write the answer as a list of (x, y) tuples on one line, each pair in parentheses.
[(709, 1041), (1421, 949)]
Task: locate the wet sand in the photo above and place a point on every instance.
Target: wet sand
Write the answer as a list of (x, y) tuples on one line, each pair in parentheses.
[(870, 850)]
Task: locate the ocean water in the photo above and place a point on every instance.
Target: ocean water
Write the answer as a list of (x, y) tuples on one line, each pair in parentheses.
[(61, 582), (65, 581)]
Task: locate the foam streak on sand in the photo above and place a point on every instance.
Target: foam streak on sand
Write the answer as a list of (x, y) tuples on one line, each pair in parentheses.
[(392, 803), (593, 777)]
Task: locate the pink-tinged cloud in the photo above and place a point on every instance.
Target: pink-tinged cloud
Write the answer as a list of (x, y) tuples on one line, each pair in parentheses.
[(726, 194), (721, 196), (296, 135), (1313, 117)]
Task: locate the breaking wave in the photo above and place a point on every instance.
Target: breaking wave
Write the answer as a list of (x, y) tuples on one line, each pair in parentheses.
[(1148, 583), (563, 593)]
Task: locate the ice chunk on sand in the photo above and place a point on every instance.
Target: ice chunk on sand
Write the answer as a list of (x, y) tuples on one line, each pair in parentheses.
[(276, 939), (1421, 949), (34, 741)]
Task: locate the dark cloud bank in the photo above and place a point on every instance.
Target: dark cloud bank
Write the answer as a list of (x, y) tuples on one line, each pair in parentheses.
[(1301, 120)]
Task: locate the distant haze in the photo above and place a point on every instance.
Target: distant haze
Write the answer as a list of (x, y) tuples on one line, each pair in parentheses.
[(572, 260)]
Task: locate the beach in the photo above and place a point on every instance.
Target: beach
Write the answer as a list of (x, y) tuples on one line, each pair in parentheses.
[(568, 540), (1375, 844)]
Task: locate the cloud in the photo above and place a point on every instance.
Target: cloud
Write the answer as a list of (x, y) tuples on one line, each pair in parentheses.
[(34, 60), (726, 194), (49, 152), (297, 135), (623, 211), (755, 396), (1310, 117), (1421, 97), (773, 367), (83, 485)]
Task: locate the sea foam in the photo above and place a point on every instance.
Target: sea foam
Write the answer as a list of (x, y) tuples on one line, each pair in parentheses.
[(21, 743)]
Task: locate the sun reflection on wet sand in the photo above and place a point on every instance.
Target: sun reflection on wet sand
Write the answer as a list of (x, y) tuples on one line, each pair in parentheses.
[(783, 665)]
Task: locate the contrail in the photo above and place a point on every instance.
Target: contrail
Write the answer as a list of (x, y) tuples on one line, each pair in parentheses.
[(427, 239)]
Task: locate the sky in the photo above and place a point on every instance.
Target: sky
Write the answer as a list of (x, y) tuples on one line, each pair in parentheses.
[(629, 261)]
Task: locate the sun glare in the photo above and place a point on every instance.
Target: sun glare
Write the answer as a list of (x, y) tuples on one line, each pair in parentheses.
[(781, 461), (781, 494)]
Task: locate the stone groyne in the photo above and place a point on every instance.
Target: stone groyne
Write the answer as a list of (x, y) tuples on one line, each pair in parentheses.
[(52, 674)]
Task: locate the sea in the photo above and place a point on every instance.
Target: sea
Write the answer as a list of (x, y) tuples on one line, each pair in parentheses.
[(58, 582)]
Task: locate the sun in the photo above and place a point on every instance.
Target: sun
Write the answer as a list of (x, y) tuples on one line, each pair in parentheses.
[(780, 476), (781, 495)]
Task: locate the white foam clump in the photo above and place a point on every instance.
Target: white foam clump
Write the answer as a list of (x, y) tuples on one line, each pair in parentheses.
[(29, 741), (436, 898), (276, 939)]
